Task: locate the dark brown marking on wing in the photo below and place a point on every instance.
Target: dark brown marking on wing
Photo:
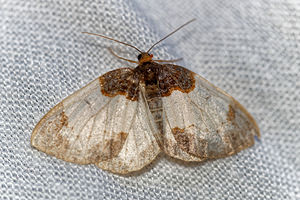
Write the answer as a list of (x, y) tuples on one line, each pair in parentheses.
[(94, 155), (120, 82), (112, 147), (50, 137), (213, 147), (240, 136), (174, 77), (64, 119), (186, 142), (182, 138), (117, 143), (56, 125), (231, 113)]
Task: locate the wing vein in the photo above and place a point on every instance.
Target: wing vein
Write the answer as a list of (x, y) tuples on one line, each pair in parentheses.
[(65, 107), (80, 131), (201, 111)]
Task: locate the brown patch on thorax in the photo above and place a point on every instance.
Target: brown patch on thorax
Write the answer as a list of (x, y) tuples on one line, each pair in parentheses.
[(163, 79), (166, 78)]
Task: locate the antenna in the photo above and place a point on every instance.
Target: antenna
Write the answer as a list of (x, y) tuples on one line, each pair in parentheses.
[(171, 34), (113, 40)]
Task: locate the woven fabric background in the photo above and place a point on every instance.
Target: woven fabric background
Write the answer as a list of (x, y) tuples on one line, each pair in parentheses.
[(248, 48)]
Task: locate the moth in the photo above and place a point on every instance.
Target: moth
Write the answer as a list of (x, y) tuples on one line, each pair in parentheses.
[(122, 120)]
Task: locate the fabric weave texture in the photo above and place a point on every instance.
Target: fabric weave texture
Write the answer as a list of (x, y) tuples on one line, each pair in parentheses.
[(250, 49)]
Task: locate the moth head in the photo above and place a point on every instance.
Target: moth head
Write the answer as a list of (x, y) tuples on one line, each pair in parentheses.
[(144, 57)]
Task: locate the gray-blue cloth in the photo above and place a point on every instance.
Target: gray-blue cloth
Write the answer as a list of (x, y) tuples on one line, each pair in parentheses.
[(248, 48)]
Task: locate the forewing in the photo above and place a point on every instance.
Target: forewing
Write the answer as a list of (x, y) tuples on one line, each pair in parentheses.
[(88, 127), (206, 123)]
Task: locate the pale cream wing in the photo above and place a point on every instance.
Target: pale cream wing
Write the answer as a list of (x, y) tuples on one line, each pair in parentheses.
[(141, 147), (206, 123), (88, 127)]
